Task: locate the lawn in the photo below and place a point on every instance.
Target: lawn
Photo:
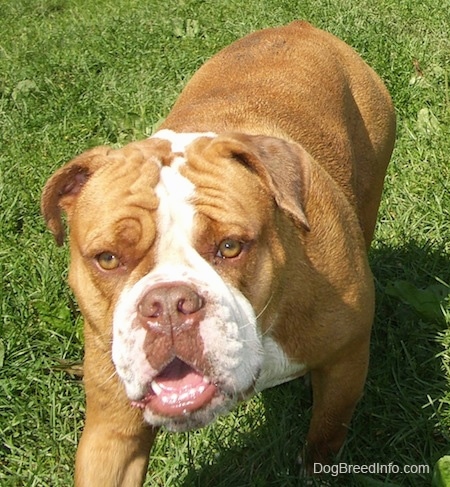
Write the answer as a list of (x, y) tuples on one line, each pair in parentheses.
[(76, 73)]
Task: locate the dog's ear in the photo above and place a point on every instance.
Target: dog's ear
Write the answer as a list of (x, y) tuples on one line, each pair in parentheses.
[(62, 189), (284, 167)]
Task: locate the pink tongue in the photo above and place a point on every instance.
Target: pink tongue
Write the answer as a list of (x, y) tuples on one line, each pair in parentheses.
[(179, 389), (178, 376)]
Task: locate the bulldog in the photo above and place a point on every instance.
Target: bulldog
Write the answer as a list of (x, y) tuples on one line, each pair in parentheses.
[(227, 253)]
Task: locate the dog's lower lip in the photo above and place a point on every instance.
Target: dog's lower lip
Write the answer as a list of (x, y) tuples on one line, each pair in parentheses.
[(178, 390)]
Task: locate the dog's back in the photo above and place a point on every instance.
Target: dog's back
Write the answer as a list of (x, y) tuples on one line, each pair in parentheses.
[(352, 131)]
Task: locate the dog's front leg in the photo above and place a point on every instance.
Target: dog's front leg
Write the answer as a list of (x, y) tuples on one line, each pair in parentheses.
[(107, 457), (115, 444), (336, 391)]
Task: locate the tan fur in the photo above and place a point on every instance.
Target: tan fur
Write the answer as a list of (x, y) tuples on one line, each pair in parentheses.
[(306, 132), (305, 85)]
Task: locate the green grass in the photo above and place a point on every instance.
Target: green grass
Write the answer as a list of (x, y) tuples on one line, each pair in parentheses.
[(75, 73)]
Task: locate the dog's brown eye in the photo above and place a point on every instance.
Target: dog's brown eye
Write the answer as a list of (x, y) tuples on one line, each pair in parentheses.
[(108, 261), (229, 248)]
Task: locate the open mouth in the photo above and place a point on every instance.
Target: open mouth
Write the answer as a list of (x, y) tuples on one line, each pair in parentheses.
[(177, 390)]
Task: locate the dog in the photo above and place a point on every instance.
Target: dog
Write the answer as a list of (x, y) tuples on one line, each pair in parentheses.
[(227, 253)]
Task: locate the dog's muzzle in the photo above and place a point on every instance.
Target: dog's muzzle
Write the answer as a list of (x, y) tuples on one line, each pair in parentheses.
[(172, 310), (185, 348)]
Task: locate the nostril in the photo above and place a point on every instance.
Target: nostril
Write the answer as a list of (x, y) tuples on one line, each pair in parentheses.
[(151, 309), (189, 304)]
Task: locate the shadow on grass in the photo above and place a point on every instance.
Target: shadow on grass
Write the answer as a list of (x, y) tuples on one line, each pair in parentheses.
[(400, 419)]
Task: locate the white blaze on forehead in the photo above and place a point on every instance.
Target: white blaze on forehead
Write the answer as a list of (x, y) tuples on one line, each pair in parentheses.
[(176, 211), (180, 140), (175, 215)]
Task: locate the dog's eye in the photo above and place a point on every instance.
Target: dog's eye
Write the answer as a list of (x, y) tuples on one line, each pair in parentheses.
[(229, 248), (108, 261)]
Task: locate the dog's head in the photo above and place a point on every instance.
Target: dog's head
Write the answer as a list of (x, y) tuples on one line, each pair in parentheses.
[(176, 255)]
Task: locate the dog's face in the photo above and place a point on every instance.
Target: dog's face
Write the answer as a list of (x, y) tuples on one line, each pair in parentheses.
[(174, 252)]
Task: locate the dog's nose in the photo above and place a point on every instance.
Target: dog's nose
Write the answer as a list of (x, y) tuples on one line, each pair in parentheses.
[(170, 307)]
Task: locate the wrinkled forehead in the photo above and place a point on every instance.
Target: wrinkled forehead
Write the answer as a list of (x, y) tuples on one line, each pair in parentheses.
[(221, 188), (123, 200), (129, 177), (179, 142), (167, 180)]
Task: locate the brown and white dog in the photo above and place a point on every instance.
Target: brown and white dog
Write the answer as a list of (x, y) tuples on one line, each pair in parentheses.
[(227, 253)]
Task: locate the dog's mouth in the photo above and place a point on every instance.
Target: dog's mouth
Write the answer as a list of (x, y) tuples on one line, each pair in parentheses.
[(178, 390)]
